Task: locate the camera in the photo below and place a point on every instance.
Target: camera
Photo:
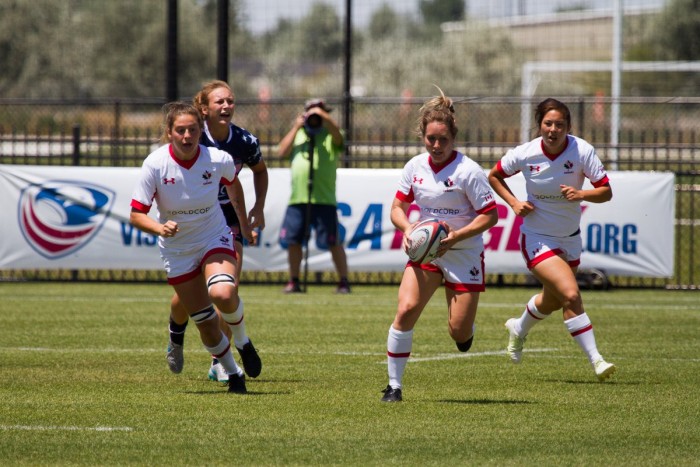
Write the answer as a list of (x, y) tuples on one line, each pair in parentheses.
[(313, 121)]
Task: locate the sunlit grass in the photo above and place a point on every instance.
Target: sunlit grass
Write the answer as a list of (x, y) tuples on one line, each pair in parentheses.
[(83, 380)]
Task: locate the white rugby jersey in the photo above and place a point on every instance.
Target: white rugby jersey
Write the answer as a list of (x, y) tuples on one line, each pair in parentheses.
[(553, 214), (185, 192), (455, 192)]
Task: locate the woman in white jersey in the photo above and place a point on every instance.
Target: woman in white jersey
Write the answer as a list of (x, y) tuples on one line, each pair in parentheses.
[(447, 185), (216, 103), (195, 243), (554, 165)]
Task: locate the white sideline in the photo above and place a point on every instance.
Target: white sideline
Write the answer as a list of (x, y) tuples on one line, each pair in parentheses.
[(64, 428)]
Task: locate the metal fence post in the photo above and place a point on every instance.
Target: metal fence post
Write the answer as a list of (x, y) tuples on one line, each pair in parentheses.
[(76, 144)]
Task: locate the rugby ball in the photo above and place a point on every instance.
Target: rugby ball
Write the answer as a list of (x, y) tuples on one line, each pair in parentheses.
[(424, 240)]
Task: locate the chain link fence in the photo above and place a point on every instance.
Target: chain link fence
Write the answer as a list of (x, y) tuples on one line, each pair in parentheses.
[(656, 134), (65, 62)]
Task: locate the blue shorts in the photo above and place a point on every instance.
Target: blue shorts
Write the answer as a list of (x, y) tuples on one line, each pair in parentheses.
[(324, 222)]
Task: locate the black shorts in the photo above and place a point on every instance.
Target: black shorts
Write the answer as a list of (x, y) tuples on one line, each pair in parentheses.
[(323, 221)]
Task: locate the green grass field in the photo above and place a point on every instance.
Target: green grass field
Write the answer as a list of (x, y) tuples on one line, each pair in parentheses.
[(83, 381)]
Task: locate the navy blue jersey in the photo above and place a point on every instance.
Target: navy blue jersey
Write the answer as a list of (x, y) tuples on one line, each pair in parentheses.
[(241, 144), (245, 149)]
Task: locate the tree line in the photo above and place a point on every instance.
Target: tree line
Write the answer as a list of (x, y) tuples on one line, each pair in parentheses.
[(95, 49)]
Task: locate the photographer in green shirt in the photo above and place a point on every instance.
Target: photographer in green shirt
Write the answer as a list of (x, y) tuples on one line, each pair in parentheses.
[(314, 145)]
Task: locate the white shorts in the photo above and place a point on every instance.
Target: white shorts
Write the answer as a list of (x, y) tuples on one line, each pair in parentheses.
[(186, 264), (535, 248), (463, 270)]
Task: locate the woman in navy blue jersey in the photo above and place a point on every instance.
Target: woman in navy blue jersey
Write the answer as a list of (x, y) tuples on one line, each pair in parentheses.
[(216, 103)]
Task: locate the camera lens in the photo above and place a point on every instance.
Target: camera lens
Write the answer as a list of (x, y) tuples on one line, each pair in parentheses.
[(313, 121)]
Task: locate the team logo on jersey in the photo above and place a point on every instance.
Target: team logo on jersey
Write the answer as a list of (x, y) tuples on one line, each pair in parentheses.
[(168, 180), (568, 165), (417, 180), (207, 177), (59, 218), (474, 271), (449, 183)]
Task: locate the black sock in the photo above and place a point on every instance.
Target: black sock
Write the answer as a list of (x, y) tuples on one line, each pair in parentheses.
[(177, 332)]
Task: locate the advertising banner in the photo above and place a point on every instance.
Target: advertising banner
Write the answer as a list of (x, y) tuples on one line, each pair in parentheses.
[(78, 218)]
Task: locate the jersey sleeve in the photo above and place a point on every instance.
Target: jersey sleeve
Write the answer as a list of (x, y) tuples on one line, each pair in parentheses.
[(228, 169), (252, 155), (593, 168), (405, 189), (145, 190), (479, 191), (509, 164)]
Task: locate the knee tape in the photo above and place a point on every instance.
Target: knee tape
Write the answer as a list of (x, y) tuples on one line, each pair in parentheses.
[(220, 278), (204, 314)]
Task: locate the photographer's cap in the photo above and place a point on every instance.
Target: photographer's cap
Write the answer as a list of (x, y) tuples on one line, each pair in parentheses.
[(311, 103)]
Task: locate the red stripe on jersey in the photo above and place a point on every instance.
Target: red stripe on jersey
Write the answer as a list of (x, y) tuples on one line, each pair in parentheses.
[(582, 330), (487, 208), (436, 168), (406, 198), (603, 181), (551, 157), (398, 355), (140, 207), (187, 164), (502, 172)]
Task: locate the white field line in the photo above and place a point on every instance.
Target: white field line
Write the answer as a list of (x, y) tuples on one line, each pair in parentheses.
[(73, 298), (392, 304), (412, 359), (452, 356), (64, 428), (442, 356), (84, 350)]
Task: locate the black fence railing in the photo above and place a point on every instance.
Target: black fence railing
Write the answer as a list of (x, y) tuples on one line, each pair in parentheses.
[(655, 134)]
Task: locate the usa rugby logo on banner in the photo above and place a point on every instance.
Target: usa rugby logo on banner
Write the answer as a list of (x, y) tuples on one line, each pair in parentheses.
[(59, 218)]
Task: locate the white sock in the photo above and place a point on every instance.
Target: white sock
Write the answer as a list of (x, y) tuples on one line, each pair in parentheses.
[(529, 318), (222, 352), (398, 349), (236, 322), (581, 330)]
